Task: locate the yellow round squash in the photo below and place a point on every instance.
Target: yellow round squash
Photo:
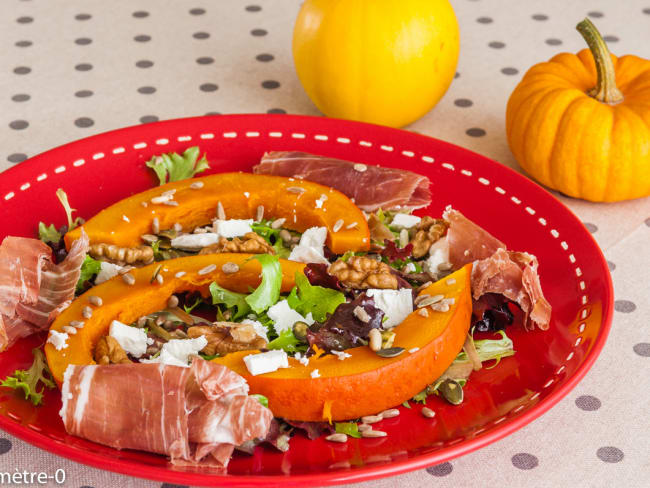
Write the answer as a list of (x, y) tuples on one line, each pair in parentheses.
[(381, 61), (580, 123)]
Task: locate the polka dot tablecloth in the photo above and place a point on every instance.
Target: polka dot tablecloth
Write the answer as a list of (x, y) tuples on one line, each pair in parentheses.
[(71, 69)]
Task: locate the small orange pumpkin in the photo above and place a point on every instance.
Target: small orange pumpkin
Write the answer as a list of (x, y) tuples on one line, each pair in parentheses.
[(580, 123)]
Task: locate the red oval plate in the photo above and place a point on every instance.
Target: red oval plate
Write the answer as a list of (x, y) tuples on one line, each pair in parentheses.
[(102, 169)]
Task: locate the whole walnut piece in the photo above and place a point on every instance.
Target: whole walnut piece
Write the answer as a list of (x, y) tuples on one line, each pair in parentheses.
[(109, 351), (121, 255), (251, 243), (227, 337), (361, 272), (428, 231)]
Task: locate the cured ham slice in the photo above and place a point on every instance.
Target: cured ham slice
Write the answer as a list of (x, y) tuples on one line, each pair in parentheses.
[(371, 187), (496, 270), (194, 415), (34, 290)]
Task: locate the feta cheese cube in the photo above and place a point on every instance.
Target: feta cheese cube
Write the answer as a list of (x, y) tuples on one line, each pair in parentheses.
[(396, 304), (232, 227), (405, 221), (177, 352), (315, 374), (58, 339), (310, 247), (195, 241), (107, 271), (260, 330), (283, 316), (438, 254), (133, 340), (266, 362), (410, 268), (314, 237)]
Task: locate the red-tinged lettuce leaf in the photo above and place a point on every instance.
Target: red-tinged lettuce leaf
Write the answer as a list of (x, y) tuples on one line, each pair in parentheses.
[(279, 436), (313, 430), (317, 275), (491, 312), (343, 330), (393, 253)]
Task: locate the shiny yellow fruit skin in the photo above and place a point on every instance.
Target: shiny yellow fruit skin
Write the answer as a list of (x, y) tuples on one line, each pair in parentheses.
[(381, 61)]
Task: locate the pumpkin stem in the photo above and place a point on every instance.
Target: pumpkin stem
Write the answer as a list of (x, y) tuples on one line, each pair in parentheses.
[(605, 90)]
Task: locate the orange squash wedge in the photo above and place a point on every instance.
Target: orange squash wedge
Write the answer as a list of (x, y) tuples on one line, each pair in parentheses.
[(240, 194), (366, 383), (127, 303)]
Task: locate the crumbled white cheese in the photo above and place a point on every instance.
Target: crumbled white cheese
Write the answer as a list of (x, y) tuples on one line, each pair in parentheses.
[(195, 241), (260, 330), (315, 374), (438, 254), (107, 271), (177, 352), (58, 339), (310, 247), (125, 219), (410, 268), (266, 362), (283, 316), (396, 304), (405, 221), (232, 227), (341, 355), (133, 340), (320, 201), (246, 194)]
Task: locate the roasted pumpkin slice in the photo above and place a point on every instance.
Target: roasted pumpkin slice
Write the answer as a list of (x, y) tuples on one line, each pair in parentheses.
[(126, 303), (365, 383), (193, 202)]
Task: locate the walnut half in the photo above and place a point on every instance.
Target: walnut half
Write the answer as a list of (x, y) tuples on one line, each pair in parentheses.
[(227, 337), (362, 272), (251, 243), (428, 231), (109, 351)]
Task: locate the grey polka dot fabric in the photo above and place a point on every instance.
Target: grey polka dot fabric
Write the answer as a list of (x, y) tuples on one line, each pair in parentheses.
[(80, 67)]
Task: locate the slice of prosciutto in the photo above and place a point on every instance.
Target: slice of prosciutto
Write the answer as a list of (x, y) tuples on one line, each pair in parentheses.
[(34, 290), (497, 270), (370, 187), (194, 415)]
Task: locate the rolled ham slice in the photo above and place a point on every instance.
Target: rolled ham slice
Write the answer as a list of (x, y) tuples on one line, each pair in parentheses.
[(496, 270), (194, 415), (34, 290), (371, 187)]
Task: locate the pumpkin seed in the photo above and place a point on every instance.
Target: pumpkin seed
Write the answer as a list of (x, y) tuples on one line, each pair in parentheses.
[(451, 391), (300, 331), (154, 276), (169, 233), (391, 352)]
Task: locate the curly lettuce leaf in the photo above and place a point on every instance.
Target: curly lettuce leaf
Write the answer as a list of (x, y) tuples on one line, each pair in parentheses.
[(321, 302), (272, 236), (488, 349), (63, 198), (348, 428), (89, 268), (230, 299), (174, 167), (48, 233), (27, 380), (262, 399), (287, 342), (268, 293)]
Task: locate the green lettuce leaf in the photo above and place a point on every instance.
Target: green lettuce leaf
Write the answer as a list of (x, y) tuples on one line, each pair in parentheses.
[(262, 399), (27, 380), (230, 299), (63, 198), (48, 233), (89, 268), (272, 236), (189, 308), (174, 167), (305, 298), (488, 349), (287, 342), (348, 428), (268, 293)]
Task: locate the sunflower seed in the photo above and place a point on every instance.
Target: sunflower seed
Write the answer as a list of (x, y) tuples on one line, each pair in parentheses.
[(423, 312), (352, 225), (403, 238), (86, 312), (440, 307), (390, 413), (427, 412), (144, 204), (373, 433), (419, 298), (161, 199), (413, 350), (168, 193), (391, 352), (155, 225), (142, 321), (196, 185), (360, 167), (371, 419), (180, 274), (451, 281), (374, 338), (171, 203), (159, 279), (361, 314), (260, 213), (430, 301), (128, 278), (95, 300), (172, 301), (445, 266), (178, 227), (230, 268), (296, 189), (338, 437), (277, 223), (208, 269), (337, 225), (76, 323), (69, 330), (285, 235), (150, 238), (221, 213), (364, 427)]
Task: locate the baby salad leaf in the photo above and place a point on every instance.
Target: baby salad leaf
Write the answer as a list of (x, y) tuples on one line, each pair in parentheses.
[(230, 299), (48, 233), (27, 380), (262, 399), (63, 198), (174, 167), (268, 293), (287, 342), (321, 302), (488, 349), (89, 268), (348, 428)]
